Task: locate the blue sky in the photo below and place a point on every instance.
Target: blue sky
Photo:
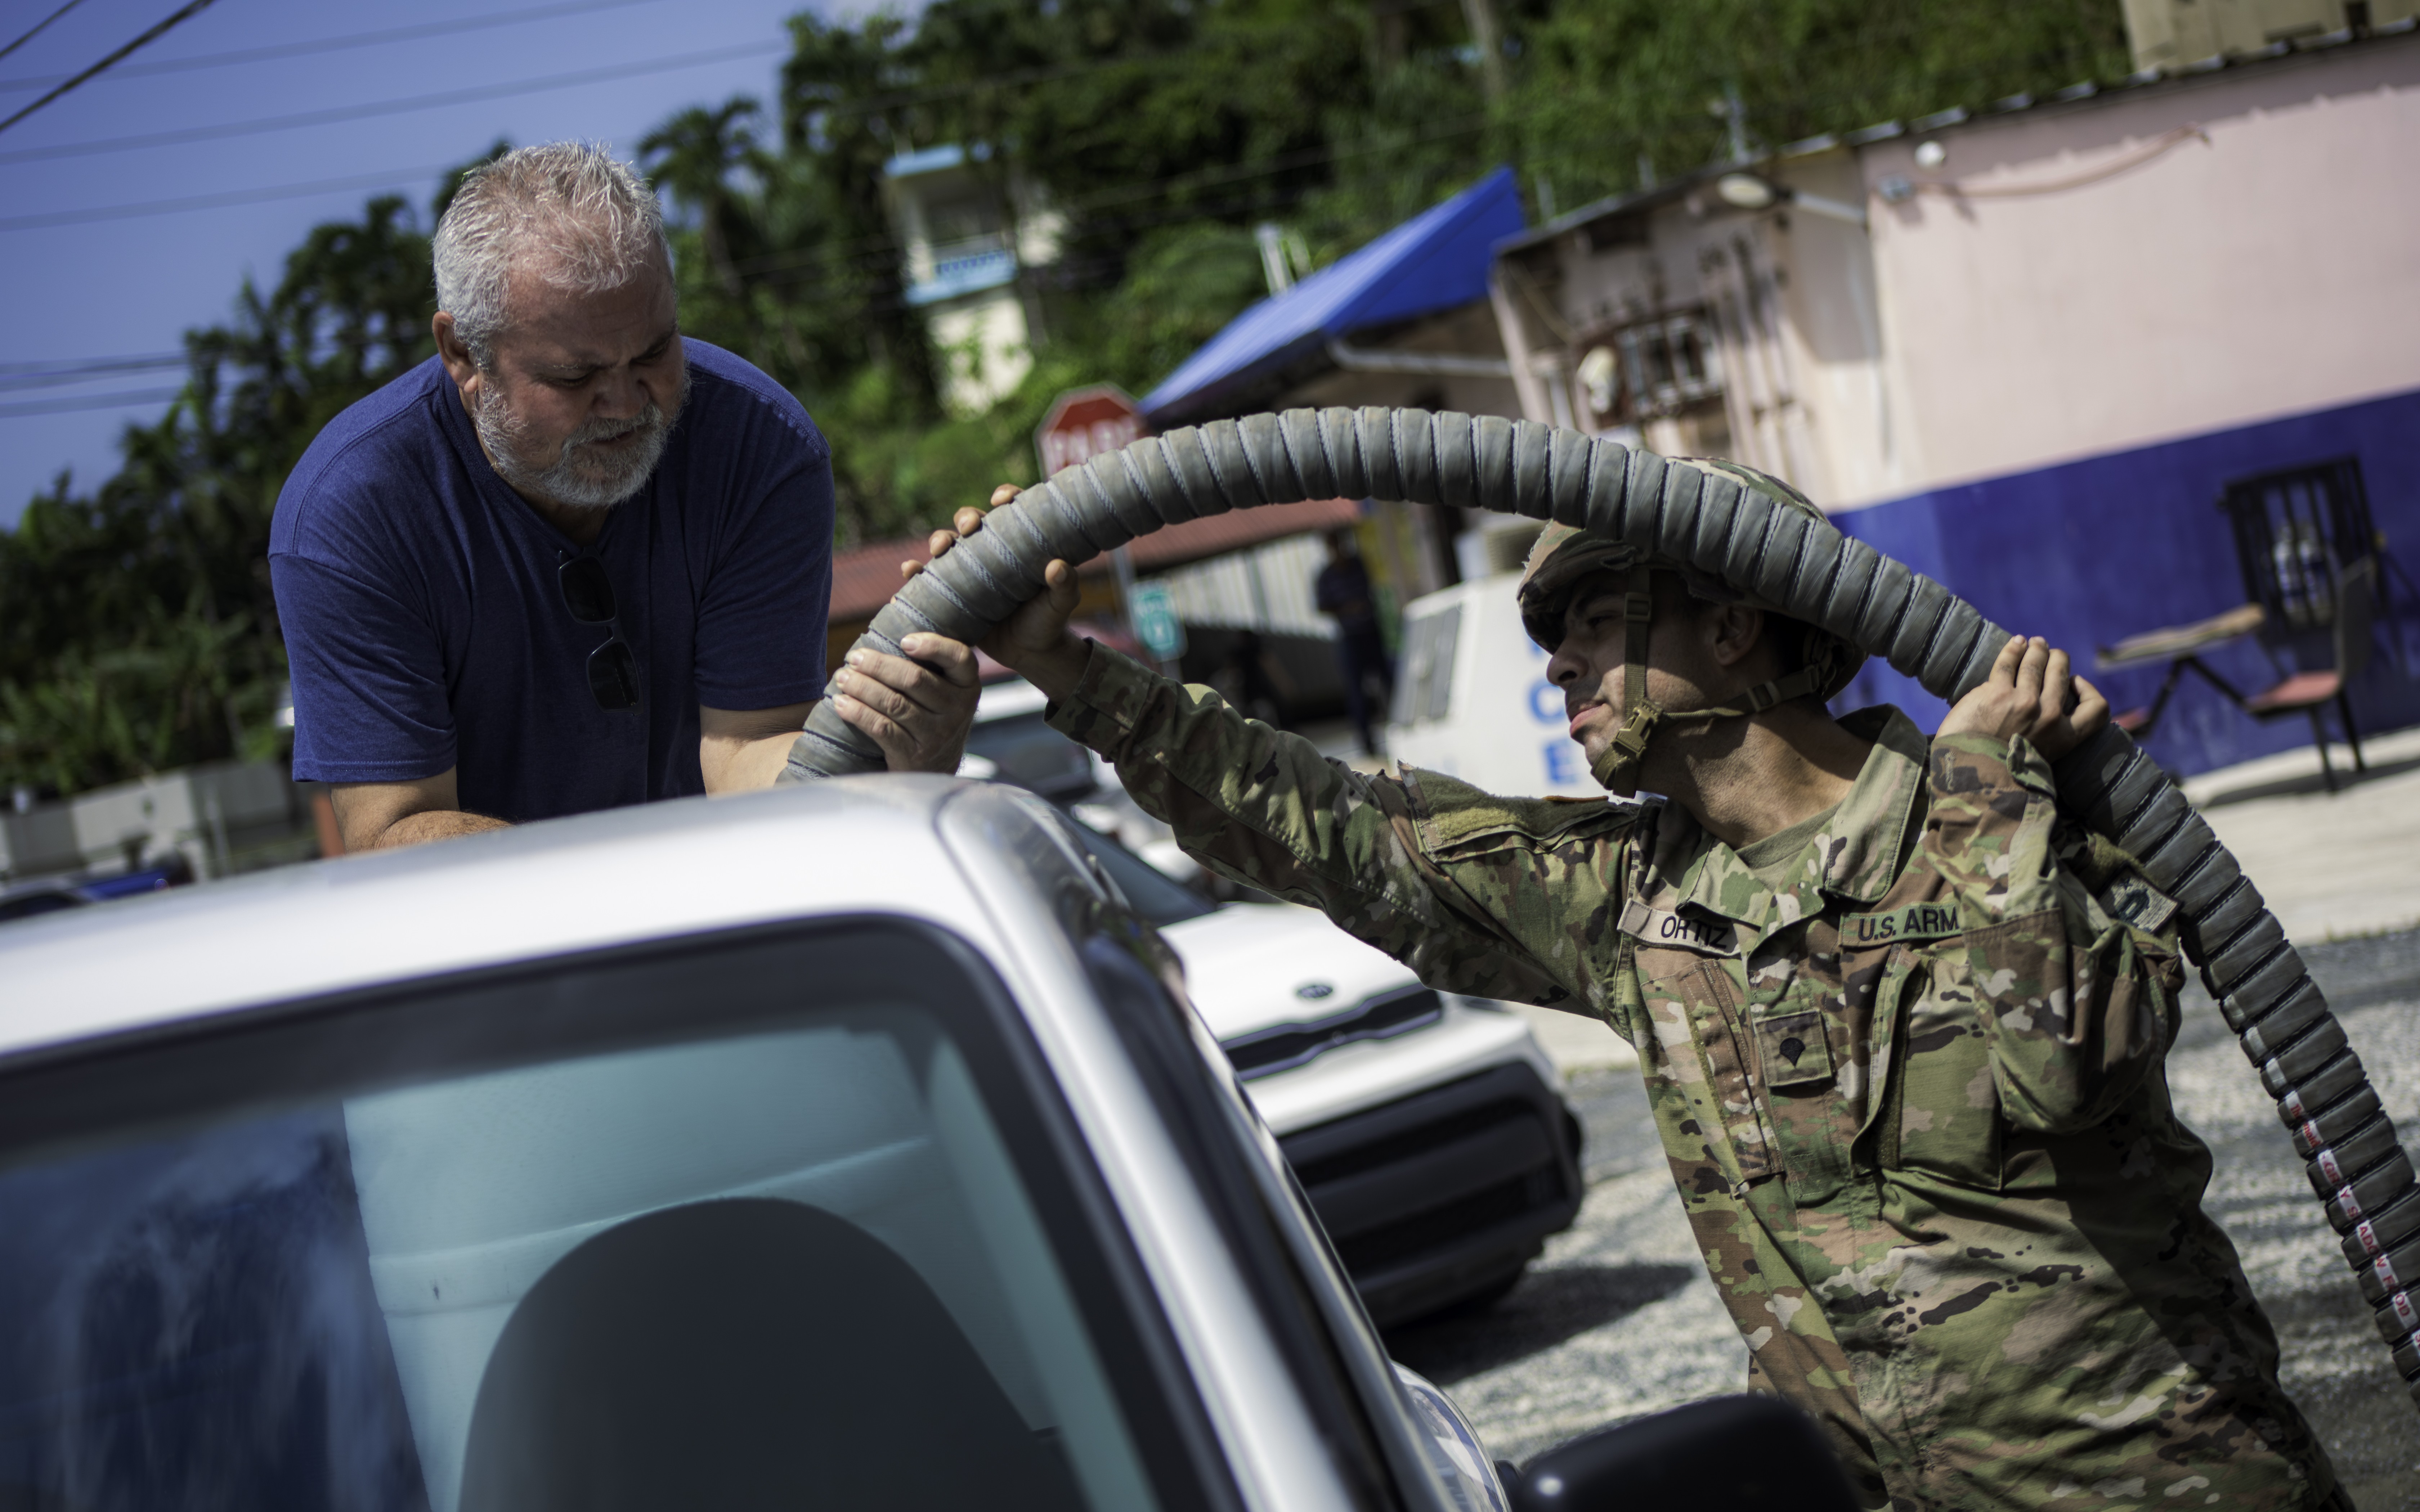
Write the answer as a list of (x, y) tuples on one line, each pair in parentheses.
[(131, 286)]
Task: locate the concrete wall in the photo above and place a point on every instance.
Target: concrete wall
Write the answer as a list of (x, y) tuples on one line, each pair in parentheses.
[(1789, 308), (2068, 279), (40, 840), (1466, 331), (1834, 342), (215, 815), (2272, 269)]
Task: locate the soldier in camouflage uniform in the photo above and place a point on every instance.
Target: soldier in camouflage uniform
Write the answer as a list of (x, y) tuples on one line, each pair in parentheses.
[(1902, 1023)]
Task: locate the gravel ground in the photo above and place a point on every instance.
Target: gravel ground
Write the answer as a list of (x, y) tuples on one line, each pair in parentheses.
[(1617, 1317)]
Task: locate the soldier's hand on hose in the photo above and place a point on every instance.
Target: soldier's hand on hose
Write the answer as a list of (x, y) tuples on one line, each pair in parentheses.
[(2031, 692), (1035, 640)]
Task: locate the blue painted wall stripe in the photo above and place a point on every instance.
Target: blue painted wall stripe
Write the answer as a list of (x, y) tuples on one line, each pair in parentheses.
[(2089, 551)]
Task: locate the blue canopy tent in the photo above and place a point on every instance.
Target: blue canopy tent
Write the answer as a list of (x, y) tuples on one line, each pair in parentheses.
[(1437, 260)]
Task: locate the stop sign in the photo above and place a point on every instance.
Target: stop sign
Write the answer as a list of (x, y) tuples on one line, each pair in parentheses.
[(1084, 422)]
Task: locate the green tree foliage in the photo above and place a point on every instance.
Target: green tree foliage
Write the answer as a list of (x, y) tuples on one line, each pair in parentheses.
[(1160, 132), (1613, 82), (143, 633)]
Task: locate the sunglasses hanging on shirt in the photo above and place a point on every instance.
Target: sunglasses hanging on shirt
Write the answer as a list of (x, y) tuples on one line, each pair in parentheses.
[(612, 669)]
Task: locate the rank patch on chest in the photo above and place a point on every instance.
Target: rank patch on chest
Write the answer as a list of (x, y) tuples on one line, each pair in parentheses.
[(1917, 921), (2139, 903), (1792, 1051), (1670, 926)]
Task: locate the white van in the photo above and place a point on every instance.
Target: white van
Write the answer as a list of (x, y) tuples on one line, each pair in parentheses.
[(1472, 700), (1428, 1129)]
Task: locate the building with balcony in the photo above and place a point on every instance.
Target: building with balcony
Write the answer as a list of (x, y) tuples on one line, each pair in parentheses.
[(968, 228)]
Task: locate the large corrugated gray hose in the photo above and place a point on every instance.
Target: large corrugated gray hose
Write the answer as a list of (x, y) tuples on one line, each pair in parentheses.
[(2354, 1161)]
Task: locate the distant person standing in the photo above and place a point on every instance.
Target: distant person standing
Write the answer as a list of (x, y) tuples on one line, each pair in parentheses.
[(1253, 681), (1343, 594)]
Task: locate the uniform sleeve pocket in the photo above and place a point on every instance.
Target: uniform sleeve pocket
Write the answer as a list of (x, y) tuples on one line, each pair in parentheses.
[(1695, 1022)]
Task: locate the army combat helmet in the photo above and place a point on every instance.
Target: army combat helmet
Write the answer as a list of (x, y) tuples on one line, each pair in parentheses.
[(1566, 555)]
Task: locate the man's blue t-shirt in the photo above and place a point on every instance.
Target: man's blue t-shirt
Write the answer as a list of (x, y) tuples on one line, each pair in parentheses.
[(425, 627)]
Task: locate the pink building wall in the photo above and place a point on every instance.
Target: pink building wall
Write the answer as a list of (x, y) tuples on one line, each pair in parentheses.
[(2271, 269)]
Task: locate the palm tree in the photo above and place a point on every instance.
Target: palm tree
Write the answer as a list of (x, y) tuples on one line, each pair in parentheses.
[(695, 155)]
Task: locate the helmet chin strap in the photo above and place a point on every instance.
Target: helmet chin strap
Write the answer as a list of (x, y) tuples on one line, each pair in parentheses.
[(1617, 770)]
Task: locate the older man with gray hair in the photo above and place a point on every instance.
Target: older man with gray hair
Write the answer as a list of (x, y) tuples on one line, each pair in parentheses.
[(573, 560)]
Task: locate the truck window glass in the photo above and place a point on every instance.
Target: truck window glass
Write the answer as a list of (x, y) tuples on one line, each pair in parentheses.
[(751, 1236)]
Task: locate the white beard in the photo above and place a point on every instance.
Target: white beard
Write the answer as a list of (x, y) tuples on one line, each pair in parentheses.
[(581, 478)]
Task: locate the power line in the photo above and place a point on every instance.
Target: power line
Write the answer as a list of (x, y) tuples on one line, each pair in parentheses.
[(385, 107), (1144, 189), (98, 401), (66, 373), (190, 9), (38, 28), (84, 364), (143, 209), (137, 211), (328, 44), (1045, 73)]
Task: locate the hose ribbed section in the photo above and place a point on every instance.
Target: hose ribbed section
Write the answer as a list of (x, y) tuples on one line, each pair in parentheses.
[(2356, 1166)]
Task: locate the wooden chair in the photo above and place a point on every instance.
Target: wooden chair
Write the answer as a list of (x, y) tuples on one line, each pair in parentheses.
[(2306, 693)]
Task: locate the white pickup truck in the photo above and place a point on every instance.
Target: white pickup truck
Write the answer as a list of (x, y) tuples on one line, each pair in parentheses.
[(851, 1146)]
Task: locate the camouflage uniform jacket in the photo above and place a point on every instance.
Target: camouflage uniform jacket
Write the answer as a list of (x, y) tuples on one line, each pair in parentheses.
[(1913, 1101)]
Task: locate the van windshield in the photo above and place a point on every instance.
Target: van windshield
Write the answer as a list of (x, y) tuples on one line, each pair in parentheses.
[(747, 1226)]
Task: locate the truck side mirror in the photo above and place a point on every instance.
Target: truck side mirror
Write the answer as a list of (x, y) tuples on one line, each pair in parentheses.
[(1755, 1453), (1471, 1481)]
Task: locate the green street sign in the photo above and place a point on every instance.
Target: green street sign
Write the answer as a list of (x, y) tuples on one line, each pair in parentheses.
[(1151, 608)]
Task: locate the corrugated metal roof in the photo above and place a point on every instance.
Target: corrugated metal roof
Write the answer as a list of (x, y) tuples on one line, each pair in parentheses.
[(1213, 535), (864, 578), (1437, 260)]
